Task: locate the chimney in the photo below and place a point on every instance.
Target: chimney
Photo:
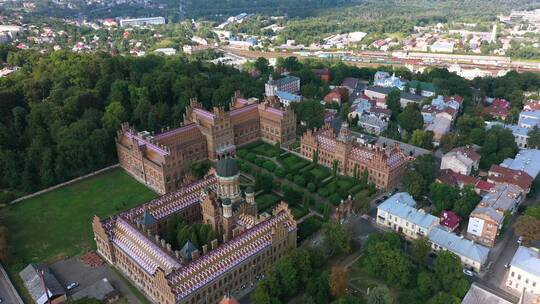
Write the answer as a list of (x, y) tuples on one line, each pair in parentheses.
[(214, 244), (163, 243), (169, 249), (177, 254), (156, 237), (195, 254), (236, 232), (205, 248)]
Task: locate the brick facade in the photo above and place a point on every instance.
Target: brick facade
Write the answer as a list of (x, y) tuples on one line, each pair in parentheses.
[(247, 244), (385, 166), (159, 160)]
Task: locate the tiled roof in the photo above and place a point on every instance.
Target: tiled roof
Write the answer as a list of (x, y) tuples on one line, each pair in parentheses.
[(458, 245), (449, 219), (503, 175), (205, 269)]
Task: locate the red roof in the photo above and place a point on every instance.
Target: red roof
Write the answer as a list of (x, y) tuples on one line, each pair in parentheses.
[(454, 179), (469, 152), (498, 108), (449, 219), (484, 186), (502, 175)]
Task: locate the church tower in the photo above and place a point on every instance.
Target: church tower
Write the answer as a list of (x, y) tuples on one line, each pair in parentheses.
[(228, 179)]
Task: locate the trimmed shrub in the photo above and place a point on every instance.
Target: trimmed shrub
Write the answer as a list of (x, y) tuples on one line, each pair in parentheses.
[(335, 199), (300, 181), (311, 187)]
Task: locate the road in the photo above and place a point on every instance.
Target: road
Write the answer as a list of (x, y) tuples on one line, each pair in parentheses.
[(7, 292)]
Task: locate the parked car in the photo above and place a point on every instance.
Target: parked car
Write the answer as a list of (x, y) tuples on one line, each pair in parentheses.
[(468, 272), (507, 265), (520, 240), (72, 286)]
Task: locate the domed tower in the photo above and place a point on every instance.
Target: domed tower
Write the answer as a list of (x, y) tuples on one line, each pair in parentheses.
[(250, 201), (228, 179), (228, 219)]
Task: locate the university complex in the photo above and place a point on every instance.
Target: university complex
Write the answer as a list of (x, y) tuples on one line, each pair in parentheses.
[(159, 160), (247, 244)]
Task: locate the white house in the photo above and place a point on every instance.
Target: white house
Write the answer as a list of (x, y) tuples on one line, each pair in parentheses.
[(461, 160), (399, 213), (524, 273), (472, 255)]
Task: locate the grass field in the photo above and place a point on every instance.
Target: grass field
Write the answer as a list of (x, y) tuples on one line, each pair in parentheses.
[(57, 224)]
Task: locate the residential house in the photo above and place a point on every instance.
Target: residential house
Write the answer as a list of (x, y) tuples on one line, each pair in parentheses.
[(499, 108), (459, 180), (486, 220), (440, 126), (472, 255), (531, 105), (337, 95), (477, 295), (500, 175), (324, 74), (373, 124), (376, 92), (526, 160), (399, 214), (449, 220), (287, 98), (426, 89), (289, 84), (461, 160), (34, 276), (524, 273), (350, 83), (527, 121), (407, 98)]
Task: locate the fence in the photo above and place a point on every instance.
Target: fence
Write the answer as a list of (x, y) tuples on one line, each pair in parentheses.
[(69, 182)]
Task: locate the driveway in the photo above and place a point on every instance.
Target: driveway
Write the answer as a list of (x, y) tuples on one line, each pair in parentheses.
[(73, 270)]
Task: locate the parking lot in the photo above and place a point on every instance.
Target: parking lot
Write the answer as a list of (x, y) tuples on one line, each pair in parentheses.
[(73, 270)]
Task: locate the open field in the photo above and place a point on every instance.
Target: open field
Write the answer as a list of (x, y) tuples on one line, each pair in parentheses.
[(57, 224)]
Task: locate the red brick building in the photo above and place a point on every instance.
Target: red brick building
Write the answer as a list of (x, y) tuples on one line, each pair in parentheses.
[(246, 246), (385, 166), (159, 160)]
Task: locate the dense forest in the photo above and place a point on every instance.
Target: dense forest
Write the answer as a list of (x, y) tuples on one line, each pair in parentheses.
[(59, 114)]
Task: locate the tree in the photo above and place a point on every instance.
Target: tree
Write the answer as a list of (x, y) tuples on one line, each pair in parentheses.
[(338, 281), (443, 196), (420, 176), (448, 272), (533, 141), (286, 273), (305, 201), (263, 182), (420, 250), (316, 157), (467, 202), (379, 295), (344, 111), (385, 259), (310, 112), (418, 88), (262, 65), (411, 119), (423, 139), (444, 298), (114, 115), (393, 102), (426, 284), (335, 165), (528, 227), (336, 238), (277, 149)]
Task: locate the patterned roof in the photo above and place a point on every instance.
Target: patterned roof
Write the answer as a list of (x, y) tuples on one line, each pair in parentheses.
[(200, 272)]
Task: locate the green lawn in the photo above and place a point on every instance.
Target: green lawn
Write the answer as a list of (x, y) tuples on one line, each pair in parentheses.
[(293, 162), (58, 224), (266, 201)]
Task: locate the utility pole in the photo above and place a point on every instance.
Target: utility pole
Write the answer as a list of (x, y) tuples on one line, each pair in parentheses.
[(41, 276)]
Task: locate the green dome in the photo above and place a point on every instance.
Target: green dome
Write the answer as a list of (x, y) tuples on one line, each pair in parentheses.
[(227, 167)]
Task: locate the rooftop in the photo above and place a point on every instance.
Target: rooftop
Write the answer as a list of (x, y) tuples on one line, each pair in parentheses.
[(527, 259), (478, 295), (403, 209), (526, 160), (458, 245)]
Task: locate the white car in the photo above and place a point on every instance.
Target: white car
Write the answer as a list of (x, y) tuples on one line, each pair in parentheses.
[(72, 286), (520, 240), (468, 272)]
